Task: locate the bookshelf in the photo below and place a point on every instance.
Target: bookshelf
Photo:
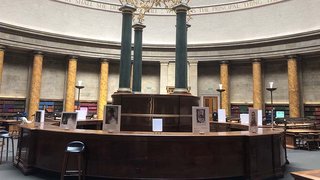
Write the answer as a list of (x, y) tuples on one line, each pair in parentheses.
[(277, 107), (91, 105), (9, 107), (237, 109), (312, 111), (51, 106)]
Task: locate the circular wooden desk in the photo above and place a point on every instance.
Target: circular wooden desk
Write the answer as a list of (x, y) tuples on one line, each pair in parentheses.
[(145, 155)]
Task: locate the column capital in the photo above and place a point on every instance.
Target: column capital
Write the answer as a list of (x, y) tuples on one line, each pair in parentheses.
[(35, 53), (294, 56), (164, 63), (193, 62), (138, 26), (2, 48), (256, 60), (73, 57), (224, 62), (127, 8), (188, 25), (104, 60), (182, 7)]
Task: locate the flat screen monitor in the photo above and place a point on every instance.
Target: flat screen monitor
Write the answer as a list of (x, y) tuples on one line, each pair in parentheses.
[(279, 114)]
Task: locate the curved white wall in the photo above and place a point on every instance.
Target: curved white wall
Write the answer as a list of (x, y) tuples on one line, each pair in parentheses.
[(280, 19)]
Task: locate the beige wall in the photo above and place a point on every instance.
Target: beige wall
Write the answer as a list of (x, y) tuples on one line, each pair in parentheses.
[(311, 80), (88, 72), (277, 72), (113, 81), (15, 75), (150, 83), (209, 77), (53, 78), (240, 75)]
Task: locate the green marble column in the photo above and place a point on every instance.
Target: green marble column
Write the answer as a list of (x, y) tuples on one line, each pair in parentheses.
[(181, 84), (137, 58), (125, 56)]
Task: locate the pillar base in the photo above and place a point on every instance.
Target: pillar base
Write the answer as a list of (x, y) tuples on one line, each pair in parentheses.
[(124, 90), (180, 91)]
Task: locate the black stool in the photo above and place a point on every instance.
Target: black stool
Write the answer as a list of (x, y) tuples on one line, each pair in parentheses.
[(77, 148), (4, 135)]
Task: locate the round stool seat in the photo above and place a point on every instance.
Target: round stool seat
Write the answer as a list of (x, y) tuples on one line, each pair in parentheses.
[(5, 135), (75, 147), (2, 131)]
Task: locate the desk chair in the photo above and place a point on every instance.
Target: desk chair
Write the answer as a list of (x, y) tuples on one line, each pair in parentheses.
[(77, 148), (4, 135)]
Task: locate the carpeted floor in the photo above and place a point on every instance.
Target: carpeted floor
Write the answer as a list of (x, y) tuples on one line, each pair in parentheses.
[(299, 160)]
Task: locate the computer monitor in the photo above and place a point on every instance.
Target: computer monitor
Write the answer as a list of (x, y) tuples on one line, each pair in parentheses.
[(279, 114)]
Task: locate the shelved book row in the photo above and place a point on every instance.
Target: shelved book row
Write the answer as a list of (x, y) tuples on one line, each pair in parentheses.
[(11, 107)]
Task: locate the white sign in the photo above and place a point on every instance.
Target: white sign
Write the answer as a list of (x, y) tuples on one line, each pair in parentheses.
[(260, 118), (39, 116), (157, 125), (253, 120), (200, 119), (82, 113), (112, 118), (244, 119), (222, 115)]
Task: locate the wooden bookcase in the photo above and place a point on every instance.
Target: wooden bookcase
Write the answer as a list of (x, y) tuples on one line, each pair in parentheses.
[(312, 111), (51, 106), (9, 107), (277, 107), (237, 109), (91, 105)]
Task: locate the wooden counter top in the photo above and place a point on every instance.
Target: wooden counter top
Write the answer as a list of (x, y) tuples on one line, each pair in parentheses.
[(311, 174), (54, 128), (303, 131)]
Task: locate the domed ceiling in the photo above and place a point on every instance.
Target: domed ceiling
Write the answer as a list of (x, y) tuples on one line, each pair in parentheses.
[(213, 21)]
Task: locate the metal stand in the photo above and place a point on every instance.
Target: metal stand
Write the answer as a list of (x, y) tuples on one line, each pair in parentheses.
[(271, 90), (220, 93), (79, 88)]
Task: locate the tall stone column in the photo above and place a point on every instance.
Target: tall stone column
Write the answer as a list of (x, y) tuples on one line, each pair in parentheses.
[(293, 87), (125, 56), (71, 84), (224, 78), (1, 63), (35, 86), (103, 87), (163, 76), (193, 71), (137, 58), (257, 84), (181, 76)]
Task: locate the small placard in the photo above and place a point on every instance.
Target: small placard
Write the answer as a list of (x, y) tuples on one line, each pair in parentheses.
[(253, 120), (222, 115), (244, 119), (260, 118), (112, 118), (157, 125), (82, 114), (39, 116), (200, 119), (69, 120)]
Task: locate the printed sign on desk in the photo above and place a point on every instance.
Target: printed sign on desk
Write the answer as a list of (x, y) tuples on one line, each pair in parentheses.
[(244, 119), (82, 113), (112, 118), (157, 125), (253, 120), (260, 118), (39, 116), (69, 120), (200, 119), (222, 115)]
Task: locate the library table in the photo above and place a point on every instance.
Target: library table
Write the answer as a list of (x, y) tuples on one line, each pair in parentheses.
[(148, 155)]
